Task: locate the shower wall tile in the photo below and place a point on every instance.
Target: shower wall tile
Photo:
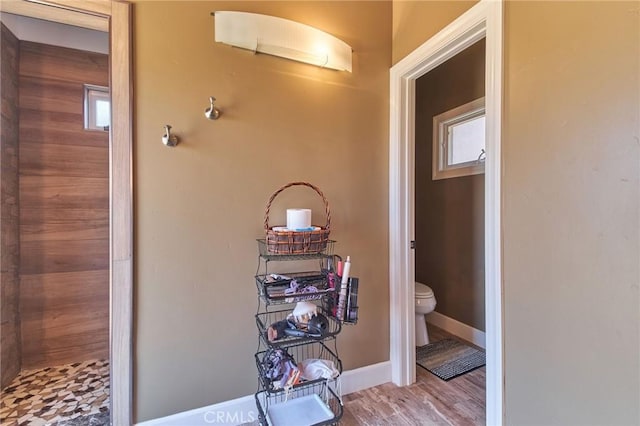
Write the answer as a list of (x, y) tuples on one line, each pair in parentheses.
[(64, 215), (10, 350)]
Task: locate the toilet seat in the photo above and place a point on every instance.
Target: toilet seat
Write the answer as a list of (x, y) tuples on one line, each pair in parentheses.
[(423, 291)]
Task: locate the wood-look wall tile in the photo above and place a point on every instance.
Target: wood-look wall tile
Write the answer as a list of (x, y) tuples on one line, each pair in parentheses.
[(39, 94), (75, 309), (34, 132), (52, 120), (68, 229), (50, 159), (10, 352), (52, 256), (43, 192), (61, 63), (64, 212), (65, 352), (62, 215), (65, 289), (10, 291)]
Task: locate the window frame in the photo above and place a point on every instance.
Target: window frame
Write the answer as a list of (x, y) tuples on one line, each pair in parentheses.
[(92, 93), (441, 125)]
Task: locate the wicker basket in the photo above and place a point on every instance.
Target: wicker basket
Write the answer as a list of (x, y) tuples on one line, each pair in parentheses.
[(297, 242)]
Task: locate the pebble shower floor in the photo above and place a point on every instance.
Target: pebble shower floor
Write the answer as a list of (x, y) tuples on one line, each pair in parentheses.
[(62, 395)]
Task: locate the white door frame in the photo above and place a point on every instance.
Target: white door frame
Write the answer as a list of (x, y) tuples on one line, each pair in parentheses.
[(484, 20), (114, 16)]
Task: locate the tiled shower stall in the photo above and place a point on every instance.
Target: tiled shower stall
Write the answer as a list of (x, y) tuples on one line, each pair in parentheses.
[(54, 228)]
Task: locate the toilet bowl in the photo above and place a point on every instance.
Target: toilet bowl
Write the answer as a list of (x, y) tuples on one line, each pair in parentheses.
[(425, 303)]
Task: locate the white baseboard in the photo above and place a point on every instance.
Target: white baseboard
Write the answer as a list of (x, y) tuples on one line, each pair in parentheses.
[(243, 410), (457, 328), (365, 377), (227, 413)]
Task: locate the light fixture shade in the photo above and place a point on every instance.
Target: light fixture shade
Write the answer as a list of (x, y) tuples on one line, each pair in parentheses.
[(283, 38)]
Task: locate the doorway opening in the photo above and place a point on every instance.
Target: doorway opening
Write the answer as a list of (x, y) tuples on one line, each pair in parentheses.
[(482, 21), (114, 18), (55, 197)]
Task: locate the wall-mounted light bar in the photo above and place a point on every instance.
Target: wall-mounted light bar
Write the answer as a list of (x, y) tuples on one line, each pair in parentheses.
[(283, 38)]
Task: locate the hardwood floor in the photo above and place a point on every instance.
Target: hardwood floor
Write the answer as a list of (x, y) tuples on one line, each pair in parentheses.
[(429, 401)]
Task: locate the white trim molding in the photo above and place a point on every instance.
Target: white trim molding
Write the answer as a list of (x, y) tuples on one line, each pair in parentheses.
[(228, 413), (365, 377), (457, 328), (243, 410), (483, 20)]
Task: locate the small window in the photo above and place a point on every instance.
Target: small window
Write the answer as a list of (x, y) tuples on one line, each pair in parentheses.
[(459, 141), (97, 107)]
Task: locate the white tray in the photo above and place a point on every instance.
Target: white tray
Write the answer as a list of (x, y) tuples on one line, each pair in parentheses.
[(306, 410)]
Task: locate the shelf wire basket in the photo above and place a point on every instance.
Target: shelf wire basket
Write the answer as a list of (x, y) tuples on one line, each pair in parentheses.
[(316, 405), (300, 353), (266, 319), (293, 287)]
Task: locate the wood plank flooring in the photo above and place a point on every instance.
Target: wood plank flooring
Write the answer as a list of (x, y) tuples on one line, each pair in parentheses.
[(429, 401)]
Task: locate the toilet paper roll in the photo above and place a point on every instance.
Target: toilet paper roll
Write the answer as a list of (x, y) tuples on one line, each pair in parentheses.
[(298, 219)]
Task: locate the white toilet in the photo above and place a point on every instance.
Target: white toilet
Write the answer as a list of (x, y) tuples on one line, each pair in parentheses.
[(425, 303)]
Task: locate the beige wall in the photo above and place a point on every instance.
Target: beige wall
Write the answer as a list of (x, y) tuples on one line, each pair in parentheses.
[(449, 225), (570, 208), (570, 218), (199, 207), (415, 21)]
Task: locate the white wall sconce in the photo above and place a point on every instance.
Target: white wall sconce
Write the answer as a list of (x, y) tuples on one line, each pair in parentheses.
[(283, 38)]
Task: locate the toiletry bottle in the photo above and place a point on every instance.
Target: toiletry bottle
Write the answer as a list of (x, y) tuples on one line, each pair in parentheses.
[(342, 299), (331, 276), (333, 300)]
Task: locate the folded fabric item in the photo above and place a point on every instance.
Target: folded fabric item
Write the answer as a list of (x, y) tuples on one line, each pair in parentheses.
[(313, 369), (294, 288), (279, 367)]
